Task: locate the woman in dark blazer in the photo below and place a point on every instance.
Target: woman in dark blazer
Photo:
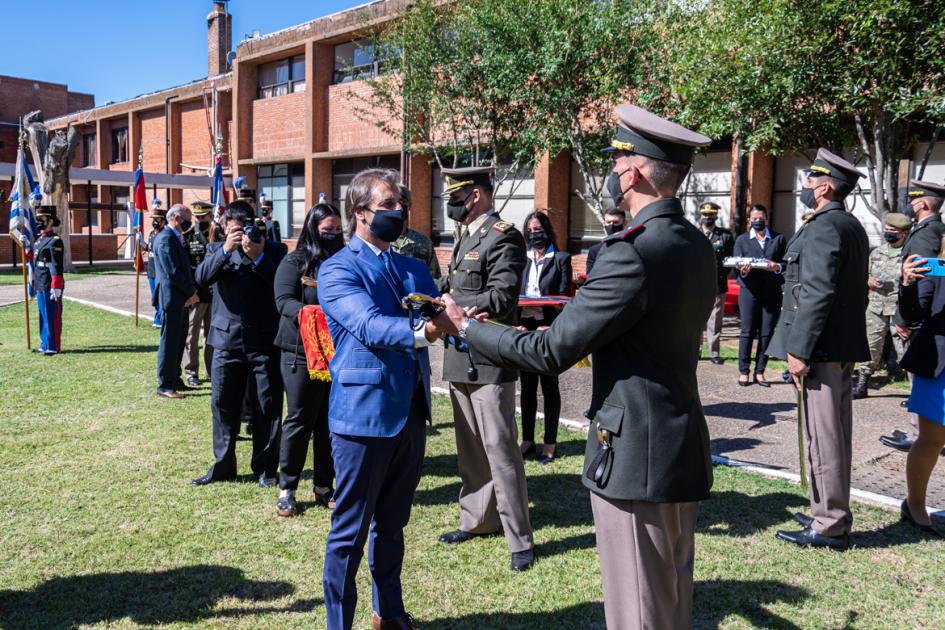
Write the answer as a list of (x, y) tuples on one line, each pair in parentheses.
[(923, 300), (759, 297), (307, 399), (547, 272)]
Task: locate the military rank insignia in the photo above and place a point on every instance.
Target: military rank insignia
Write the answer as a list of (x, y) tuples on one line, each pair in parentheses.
[(471, 256), (502, 226)]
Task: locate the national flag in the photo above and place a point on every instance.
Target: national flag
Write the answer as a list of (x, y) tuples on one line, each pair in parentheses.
[(23, 228), (219, 190), (141, 204)]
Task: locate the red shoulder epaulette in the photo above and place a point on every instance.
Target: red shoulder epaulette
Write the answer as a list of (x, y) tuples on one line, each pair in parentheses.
[(634, 230)]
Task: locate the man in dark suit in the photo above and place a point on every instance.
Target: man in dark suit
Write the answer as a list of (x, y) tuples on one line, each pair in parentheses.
[(722, 244), (925, 239), (822, 334), (240, 272), (380, 398), (174, 292), (615, 220), (640, 315)]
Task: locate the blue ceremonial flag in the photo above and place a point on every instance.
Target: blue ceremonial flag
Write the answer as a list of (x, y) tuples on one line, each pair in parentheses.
[(23, 228), (219, 190)]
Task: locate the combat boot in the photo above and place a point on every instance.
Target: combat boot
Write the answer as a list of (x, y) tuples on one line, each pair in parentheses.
[(861, 385)]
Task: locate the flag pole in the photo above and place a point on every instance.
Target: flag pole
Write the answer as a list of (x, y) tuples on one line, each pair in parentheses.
[(26, 297), (137, 236)]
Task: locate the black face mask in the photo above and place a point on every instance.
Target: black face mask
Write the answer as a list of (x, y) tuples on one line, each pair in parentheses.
[(457, 210), (612, 228), (891, 237), (614, 188), (157, 225), (387, 225), (331, 242), (708, 221), (909, 211), (537, 239), (808, 198), (759, 226), (185, 226)]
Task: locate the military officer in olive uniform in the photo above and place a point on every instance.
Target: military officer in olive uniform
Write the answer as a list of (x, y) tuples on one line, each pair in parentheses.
[(885, 273), (48, 280), (822, 333), (198, 315), (640, 316), (414, 244), (485, 272), (271, 226), (925, 239), (723, 244)]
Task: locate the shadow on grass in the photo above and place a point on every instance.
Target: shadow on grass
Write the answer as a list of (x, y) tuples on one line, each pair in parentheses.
[(762, 414), (589, 615), (891, 535), (714, 601), (187, 594), (731, 513), (110, 349)]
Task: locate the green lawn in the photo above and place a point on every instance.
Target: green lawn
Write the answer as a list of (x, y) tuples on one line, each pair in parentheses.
[(10, 276), (102, 528)]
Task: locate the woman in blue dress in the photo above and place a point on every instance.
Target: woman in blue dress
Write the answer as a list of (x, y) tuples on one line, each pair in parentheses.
[(922, 299)]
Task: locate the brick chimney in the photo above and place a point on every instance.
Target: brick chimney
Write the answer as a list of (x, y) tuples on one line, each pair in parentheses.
[(219, 38)]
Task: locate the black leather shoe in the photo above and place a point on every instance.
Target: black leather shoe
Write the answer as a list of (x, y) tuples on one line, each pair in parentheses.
[(906, 515), (744, 383), (286, 506), (193, 381), (803, 519), (522, 560), (898, 440), (459, 536), (809, 538), (762, 381), (717, 360), (208, 479), (326, 500), (267, 482)]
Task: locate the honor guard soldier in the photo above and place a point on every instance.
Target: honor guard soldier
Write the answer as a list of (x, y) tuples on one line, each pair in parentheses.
[(158, 223), (272, 227), (822, 333), (723, 244), (414, 244), (198, 315), (48, 280), (925, 239), (884, 276), (640, 316), (485, 271)]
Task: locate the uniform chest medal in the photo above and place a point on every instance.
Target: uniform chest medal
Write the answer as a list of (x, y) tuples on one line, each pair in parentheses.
[(471, 256)]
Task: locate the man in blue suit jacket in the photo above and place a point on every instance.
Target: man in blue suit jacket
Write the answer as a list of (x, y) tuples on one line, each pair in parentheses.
[(380, 398), (240, 273), (174, 291)]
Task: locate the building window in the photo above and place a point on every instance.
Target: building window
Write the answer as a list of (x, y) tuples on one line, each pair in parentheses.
[(281, 77), (343, 171), (357, 60), (120, 217), (284, 186), (120, 145), (89, 150)]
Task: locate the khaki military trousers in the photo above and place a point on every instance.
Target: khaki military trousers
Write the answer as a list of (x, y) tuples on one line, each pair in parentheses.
[(647, 551), (828, 437), (713, 327), (198, 319), (877, 326), (494, 493)]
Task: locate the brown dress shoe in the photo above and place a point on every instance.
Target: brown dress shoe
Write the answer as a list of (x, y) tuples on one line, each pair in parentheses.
[(404, 622), (169, 393)]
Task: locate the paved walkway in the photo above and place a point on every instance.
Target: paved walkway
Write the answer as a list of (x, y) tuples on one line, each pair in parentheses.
[(748, 424)]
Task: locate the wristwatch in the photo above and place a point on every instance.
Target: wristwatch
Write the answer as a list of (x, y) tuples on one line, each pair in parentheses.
[(464, 326)]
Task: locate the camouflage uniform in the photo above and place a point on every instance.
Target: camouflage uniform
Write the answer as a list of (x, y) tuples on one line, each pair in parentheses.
[(416, 245), (885, 266)]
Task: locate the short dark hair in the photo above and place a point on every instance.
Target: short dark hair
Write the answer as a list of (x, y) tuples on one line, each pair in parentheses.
[(542, 217), (238, 211), (840, 188), (666, 177), (617, 212), (757, 207)]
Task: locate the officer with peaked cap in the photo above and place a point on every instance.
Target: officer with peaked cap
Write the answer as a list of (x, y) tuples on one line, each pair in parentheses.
[(48, 280), (722, 244), (158, 223), (925, 239), (640, 316), (485, 271), (270, 225), (822, 334)]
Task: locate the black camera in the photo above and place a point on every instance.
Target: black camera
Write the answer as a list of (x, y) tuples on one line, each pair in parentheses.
[(253, 233)]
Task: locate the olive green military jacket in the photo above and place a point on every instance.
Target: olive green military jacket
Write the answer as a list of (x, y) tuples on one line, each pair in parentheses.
[(886, 267), (640, 316), (823, 317), (925, 239), (485, 271), (416, 245)]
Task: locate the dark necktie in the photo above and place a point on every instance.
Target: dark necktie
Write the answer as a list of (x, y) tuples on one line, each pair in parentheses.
[(392, 272)]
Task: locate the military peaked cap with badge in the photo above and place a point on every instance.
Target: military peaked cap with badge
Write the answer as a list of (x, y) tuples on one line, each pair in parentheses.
[(458, 178), (925, 239), (644, 133), (201, 208), (918, 189), (832, 165), (709, 208)]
